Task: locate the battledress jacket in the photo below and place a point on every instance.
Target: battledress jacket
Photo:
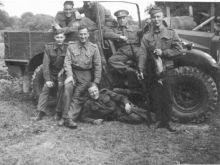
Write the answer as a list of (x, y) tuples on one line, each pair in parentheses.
[(83, 57)]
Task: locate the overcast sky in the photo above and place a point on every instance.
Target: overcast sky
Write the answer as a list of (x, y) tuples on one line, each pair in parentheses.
[(50, 7)]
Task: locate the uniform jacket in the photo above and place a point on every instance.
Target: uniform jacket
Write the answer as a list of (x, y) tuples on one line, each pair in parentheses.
[(83, 57), (114, 34), (53, 60), (105, 106), (165, 39), (93, 12), (68, 24)]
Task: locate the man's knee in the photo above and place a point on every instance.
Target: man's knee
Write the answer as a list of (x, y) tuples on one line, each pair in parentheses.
[(68, 88)]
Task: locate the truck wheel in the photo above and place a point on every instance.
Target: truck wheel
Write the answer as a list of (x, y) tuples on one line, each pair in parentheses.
[(37, 81), (194, 95)]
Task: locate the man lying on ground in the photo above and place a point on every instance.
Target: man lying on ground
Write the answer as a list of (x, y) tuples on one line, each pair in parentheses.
[(105, 105)]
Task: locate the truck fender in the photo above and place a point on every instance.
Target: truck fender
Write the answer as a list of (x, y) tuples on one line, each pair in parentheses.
[(198, 59)]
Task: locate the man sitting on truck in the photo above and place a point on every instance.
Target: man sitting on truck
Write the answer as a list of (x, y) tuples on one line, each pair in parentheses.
[(53, 60), (97, 13), (68, 20), (125, 39)]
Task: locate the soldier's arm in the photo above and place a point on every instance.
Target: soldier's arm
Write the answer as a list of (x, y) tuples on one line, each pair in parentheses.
[(97, 66), (56, 23), (46, 64), (142, 55), (118, 97), (176, 47), (110, 34), (67, 30), (68, 63), (80, 10)]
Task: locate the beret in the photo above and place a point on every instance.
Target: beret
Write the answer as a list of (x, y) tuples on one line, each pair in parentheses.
[(154, 10)]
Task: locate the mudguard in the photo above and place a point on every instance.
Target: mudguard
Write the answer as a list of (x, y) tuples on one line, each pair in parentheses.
[(197, 58)]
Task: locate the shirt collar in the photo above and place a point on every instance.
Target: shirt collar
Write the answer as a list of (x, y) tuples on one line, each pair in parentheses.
[(159, 29), (86, 45), (56, 46)]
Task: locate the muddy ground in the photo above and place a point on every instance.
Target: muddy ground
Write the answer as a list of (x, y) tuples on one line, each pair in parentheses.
[(26, 142)]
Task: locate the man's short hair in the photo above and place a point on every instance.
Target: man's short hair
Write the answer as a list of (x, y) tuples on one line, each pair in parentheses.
[(82, 27), (68, 3)]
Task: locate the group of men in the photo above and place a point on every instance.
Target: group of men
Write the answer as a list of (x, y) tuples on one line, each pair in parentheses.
[(75, 68)]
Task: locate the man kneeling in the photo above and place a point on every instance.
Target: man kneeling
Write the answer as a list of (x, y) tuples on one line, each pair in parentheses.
[(105, 105)]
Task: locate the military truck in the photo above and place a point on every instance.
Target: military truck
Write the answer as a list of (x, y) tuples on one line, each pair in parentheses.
[(195, 93)]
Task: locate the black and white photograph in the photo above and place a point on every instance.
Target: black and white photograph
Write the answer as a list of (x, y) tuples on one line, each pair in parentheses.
[(116, 82)]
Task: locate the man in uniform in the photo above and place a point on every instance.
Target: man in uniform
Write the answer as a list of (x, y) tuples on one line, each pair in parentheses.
[(68, 20), (158, 48), (54, 55), (97, 13), (125, 40), (105, 105), (82, 65)]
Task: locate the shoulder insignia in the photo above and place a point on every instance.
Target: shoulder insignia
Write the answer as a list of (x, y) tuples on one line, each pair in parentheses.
[(72, 42), (94, 45)]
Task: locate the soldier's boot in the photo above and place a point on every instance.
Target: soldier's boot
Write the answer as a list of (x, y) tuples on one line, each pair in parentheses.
[(40, 115), (60, 122), (58, 116), (166, 126), (70, 124)]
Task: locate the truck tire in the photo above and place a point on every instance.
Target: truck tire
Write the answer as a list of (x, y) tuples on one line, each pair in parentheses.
[(194, 95), (37, 81)]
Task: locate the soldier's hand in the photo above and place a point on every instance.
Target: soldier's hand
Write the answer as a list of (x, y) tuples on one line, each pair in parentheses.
[(98, 121), (60, 73), (56, 26), (69, 79), (49, 84), (140, 75), (158, 52), (124, 38), (128, 108)]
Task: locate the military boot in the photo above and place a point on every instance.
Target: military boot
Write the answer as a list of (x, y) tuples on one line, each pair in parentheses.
[(58, 116), (70, 124), (40, 115)]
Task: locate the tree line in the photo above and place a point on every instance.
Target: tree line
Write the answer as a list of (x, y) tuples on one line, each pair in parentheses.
[(27, 22)]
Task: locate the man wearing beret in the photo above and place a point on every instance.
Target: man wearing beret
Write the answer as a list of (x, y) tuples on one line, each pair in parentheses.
[(158, 48), (54, 55), (124, 36), (68, 20)]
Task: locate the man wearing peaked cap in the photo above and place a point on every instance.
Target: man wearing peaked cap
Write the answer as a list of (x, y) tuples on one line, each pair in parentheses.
[(158, 47), (125, 40), (121, 13)]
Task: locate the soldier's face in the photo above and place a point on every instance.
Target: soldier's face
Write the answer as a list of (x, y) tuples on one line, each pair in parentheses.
[(94, 92), (83, 35), (68, 10), (157, 19), (59, 38), (122, 21)]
